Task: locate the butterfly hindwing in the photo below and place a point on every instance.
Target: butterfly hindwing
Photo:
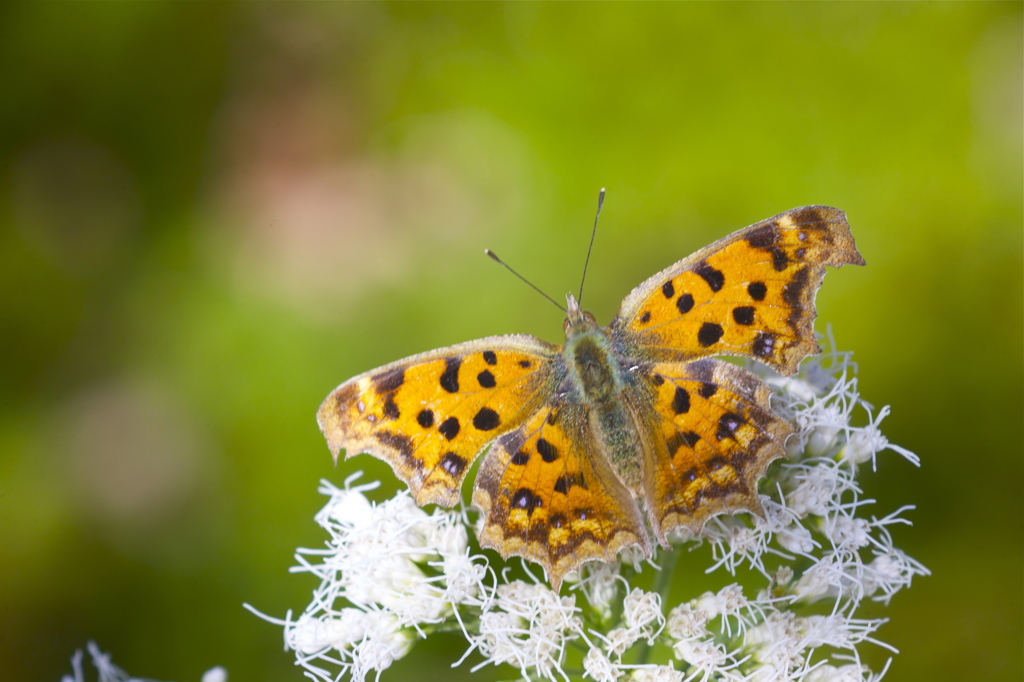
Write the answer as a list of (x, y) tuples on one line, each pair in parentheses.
[(712, 435), (547, 495), (749, 294), (429, 415)]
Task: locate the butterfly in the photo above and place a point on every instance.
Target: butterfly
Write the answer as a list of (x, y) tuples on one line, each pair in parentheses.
[(624, 432)]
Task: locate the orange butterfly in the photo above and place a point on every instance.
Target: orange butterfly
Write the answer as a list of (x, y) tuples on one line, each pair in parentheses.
[(635, 415)]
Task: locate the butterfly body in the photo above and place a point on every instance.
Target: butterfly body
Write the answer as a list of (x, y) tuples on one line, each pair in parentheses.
[(600, 382), (623, 423)]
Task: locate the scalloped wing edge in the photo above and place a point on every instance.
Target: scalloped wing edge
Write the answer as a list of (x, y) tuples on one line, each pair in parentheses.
[(842, 251), (341, 433)]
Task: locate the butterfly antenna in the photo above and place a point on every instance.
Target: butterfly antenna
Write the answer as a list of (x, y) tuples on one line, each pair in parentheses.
[(508, 267), (600, 203)]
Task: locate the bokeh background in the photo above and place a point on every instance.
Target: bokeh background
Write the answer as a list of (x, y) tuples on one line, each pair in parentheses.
[(211, 214)]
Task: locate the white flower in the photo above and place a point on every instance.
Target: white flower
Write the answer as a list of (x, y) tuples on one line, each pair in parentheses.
[(527, 626), (838, 631), (814, 486), (597, 666), (463, 577), (823, 579), (708, 658), (309, 635), (387, 571), (365, 641), (619, 640), (784, 524), (868, 441), (734, 543), (382, 645), (657, 673), (829, 673), (687, 622), (776, 644), (641, 609), (601, 586), (889, 572)]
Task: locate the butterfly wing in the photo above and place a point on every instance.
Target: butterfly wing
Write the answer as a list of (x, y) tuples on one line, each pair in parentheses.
[(548, 494), (749, 294), (429, 415), (710, 437)]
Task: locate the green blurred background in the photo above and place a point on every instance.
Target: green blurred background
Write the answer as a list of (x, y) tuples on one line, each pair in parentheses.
[(211, 214)]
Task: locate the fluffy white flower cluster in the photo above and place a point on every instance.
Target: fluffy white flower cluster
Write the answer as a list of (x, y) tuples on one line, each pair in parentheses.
[(388, 572), (392, 573)]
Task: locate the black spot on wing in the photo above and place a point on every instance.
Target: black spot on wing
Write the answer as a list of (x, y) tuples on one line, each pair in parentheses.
[(708, 389), (520, 458), (668, 289), (793, 291), (757, 290), (425, 418), (764, 345), (450, 376), (490, 357), (709, 334), (684, 303), (525, 499), (681, 401), (486, 419), (566, 481), (548, 452), (727, 425), (714, 278), (391, 409), (743, 315), (681, 438), (779, 259), (486, 379), (449, 428), (452, 464)]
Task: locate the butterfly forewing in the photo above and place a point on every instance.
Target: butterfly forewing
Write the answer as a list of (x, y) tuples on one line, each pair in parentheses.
[(429, 416), (749, 294)]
